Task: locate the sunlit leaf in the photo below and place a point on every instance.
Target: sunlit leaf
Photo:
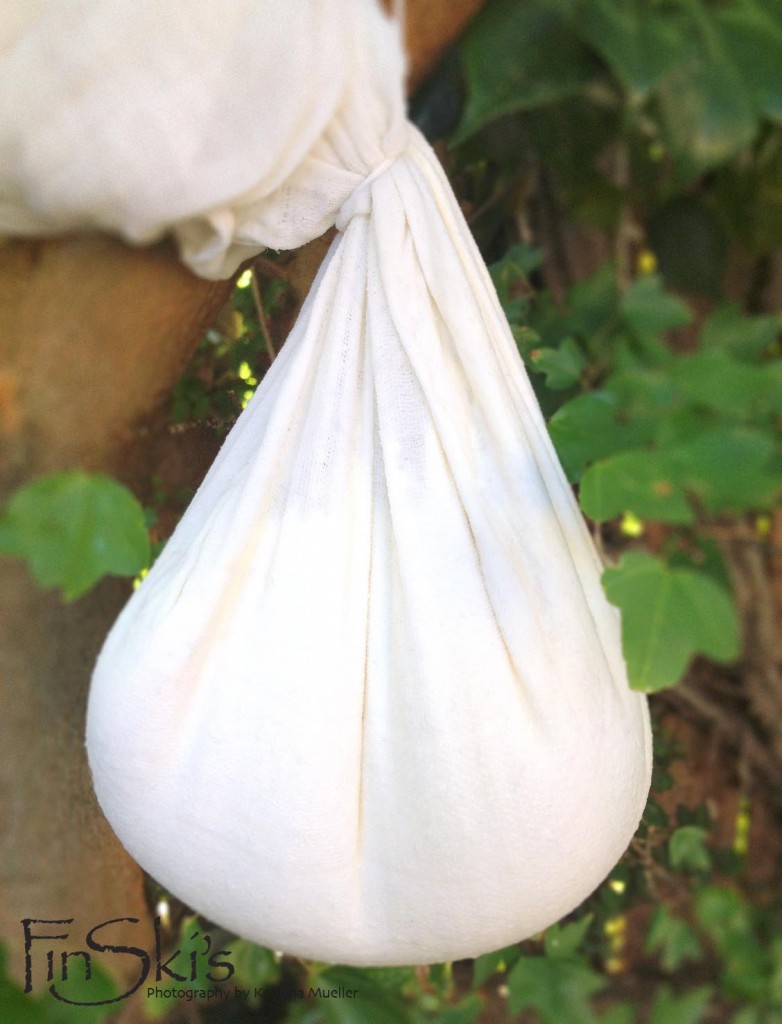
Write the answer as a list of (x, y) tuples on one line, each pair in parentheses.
[(73, 528), (668, 616), (645, 483)]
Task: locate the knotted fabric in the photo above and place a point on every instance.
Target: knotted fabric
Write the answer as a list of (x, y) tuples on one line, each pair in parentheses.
[(369, 705)]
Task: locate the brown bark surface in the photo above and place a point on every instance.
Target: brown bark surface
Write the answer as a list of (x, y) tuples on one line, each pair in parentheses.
[(430, 28), (92, 335)]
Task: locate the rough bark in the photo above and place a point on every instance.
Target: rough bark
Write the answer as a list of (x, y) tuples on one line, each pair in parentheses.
[(92, 334), (431, 26)]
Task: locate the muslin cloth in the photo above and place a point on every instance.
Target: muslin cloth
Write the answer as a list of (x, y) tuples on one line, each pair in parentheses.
[(369, 705)]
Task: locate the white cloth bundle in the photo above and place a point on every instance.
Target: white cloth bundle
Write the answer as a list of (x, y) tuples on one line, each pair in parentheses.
[(199, 117), (370, 705)]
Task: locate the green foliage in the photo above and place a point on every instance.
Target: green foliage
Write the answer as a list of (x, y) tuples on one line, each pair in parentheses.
[(694, 79), (372, 1001), (751, 966), (619, 1013), (649, 433), (687, 849), (563, 941), (18, 1007), (490, 963), (559, 989), (643, 482), (686, 1009), (254, 966), (77, 989), (73, 528), (562, 365), (225, 370), (14, 1004), (520, 56), (668, 615), (673, 938), (189, 941)]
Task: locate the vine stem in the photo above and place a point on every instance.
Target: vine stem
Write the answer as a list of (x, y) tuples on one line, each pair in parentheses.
[(263, 320)]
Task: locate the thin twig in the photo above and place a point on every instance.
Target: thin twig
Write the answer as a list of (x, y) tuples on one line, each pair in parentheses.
[(272, 268), (734, 729), (263, 320)]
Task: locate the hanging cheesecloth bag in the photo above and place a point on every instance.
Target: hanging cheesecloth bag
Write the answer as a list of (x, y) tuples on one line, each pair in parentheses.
[(369, 705)]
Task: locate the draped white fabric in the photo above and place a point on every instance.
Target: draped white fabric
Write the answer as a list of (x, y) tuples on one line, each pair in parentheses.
[(215, 120), (369, 705), (372, 680)]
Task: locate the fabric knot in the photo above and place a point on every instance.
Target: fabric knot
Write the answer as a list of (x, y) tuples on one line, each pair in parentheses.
[(359, 202)]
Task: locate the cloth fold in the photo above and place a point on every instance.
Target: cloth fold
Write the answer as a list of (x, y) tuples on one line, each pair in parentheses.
[(236, 127)]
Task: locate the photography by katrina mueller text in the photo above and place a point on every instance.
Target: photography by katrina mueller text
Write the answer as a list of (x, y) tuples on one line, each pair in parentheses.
[(51, 952)]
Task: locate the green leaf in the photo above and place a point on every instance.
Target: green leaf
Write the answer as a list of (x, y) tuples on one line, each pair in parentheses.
[(749, 1015), (636, 40), (730, 469), (707, 110), (649, 310), (687, 849), (727, 918), (621, 1013), (642, 482), (509, 276), (392, 979), (9, 539), (668, 616), (673, 938), (775, 983), (517, 263), (724, 913), (756, 46), (586, 428), (371, 1001), (686, 1009), (679, 426), (746, 337), (642, 391), (254, 966), (15, 1006), (465, 1012), (558, 989), (74, 528), (715, 379), (520, 56), (489, 963), (101, 987), (562, 366), (562, 941)]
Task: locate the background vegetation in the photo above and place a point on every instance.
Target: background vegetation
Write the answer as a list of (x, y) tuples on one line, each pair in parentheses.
[(620, 163)]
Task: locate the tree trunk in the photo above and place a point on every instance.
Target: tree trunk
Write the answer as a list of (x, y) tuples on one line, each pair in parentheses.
[(92, 334)]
